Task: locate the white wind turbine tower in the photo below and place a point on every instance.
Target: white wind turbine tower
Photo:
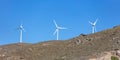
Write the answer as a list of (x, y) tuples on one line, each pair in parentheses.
[(21, 31), (93, 25), (57, 29)]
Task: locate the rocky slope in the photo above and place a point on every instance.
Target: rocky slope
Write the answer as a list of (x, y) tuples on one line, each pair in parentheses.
[(83, 47)]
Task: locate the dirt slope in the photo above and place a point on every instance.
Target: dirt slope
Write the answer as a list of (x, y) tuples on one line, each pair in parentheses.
[(82, 47)]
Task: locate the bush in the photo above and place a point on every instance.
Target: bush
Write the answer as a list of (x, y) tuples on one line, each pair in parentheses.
[(88, 39), (114, 58)]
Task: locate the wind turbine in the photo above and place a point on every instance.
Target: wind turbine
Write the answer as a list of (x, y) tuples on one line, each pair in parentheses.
[(93, 25), (21, 31), (57, 29)]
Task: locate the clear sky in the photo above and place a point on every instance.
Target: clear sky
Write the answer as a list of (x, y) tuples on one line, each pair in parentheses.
[(37, 18)]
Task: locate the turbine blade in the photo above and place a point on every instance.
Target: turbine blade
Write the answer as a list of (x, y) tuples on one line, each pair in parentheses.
[(24, 30), (55, 23), (95, 22), (55, 32), (90, 22), (62, 28)]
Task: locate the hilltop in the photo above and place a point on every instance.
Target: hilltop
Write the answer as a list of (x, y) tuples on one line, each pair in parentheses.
[(84, 47)]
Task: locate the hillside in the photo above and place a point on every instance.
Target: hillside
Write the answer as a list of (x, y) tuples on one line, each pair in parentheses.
[(83, 47)]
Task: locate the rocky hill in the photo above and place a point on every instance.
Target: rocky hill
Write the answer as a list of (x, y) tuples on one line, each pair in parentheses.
[(101, 45)]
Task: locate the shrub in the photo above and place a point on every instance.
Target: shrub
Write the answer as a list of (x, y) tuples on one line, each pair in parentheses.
[(114, 58), (88, 39)]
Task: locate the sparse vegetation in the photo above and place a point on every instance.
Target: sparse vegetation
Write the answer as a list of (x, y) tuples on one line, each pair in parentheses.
[(114, 58), (83, 35), (89, 39)]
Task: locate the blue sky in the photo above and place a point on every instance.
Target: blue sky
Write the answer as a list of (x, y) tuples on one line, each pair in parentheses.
[(37, 18)]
